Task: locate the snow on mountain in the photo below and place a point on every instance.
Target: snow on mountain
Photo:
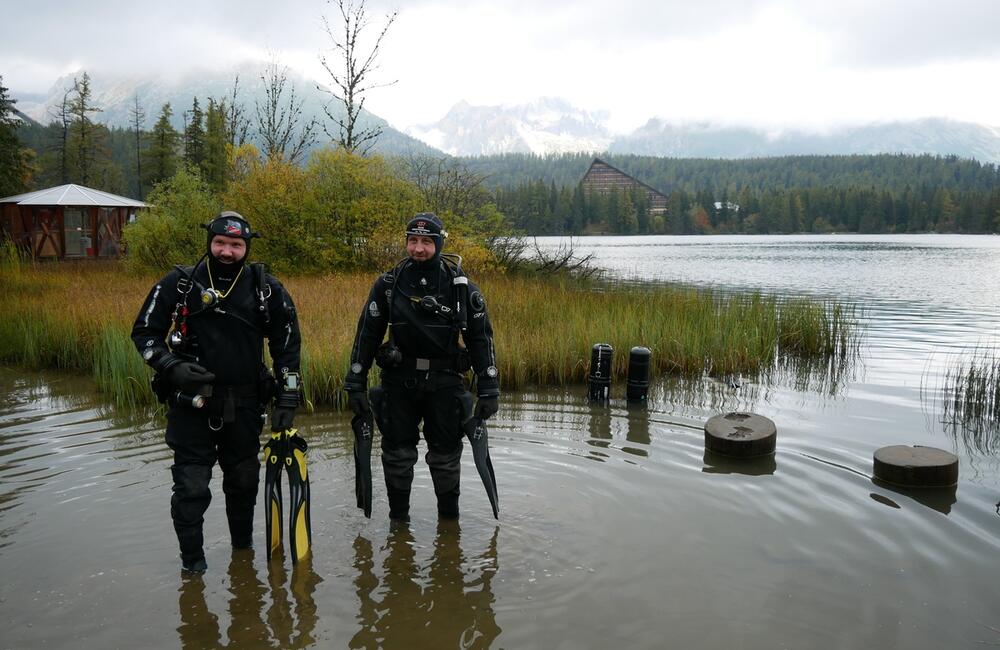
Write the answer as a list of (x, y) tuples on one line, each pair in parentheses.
[(115, 95), (548, 125), (936, 136), (552, 125)]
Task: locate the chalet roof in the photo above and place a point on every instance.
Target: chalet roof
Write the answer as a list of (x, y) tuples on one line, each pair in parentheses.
[(74, 195), (648, 187)]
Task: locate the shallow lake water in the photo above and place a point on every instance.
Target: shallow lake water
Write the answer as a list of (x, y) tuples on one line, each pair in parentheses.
[(616, 527)]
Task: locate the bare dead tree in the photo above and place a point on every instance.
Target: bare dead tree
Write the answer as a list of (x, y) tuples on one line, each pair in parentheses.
[(519, 254), (60, 114), (350, 71), (237, 121), (278, 120), (138, 122), (448, 185), (563, 260)]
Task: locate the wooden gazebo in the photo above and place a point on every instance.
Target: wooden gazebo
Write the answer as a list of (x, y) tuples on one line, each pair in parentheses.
[(67, 222)]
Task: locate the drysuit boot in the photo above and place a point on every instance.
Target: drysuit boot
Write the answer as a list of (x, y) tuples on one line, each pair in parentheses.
[(188, 504), (397, 464), (446, 471), (239, 483)]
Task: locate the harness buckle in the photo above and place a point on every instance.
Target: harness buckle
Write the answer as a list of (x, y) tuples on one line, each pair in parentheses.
[(423, 364)]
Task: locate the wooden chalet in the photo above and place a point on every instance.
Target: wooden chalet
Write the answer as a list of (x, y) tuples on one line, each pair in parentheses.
[(67, 222), (602, 178)]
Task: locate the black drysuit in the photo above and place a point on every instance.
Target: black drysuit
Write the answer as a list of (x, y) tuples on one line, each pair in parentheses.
[(427, 382), (228, 340)]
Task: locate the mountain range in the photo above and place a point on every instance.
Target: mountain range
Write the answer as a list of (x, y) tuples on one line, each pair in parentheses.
[(548, 125), (115, 96), (552, 125)]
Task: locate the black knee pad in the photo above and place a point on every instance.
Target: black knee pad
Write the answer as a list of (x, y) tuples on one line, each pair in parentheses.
[(398, 466), (446, 470), (242, 478), (239, 483), (191, 494)]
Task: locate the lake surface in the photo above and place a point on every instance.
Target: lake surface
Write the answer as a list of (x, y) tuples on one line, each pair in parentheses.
[(616, 528)]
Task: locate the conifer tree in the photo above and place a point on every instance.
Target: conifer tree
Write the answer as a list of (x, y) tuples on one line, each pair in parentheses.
[(160, 157), (194, 136), (214, 163), (14, 171), (83, 138)]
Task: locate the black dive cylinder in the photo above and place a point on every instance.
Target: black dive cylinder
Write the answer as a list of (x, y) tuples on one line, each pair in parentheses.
[(637, 386), (599, 379)]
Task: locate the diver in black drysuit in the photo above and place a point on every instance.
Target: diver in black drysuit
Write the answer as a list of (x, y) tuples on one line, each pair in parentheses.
[(202, 330), (422, 367)]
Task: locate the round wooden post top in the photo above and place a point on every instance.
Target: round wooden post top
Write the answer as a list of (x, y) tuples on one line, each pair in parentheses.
[(916, 466), (740, 434)]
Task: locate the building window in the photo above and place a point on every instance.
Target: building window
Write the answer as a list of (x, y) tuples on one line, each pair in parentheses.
[(108, 232), (76, 227)]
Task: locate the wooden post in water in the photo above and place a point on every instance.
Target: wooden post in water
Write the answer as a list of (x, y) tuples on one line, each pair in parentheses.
[(743, 435)]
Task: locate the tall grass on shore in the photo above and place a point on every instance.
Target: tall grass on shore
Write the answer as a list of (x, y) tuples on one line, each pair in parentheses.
[(78, 317), (971, 400)]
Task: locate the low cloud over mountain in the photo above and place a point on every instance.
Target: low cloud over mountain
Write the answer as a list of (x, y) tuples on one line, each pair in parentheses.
[(553, 125)]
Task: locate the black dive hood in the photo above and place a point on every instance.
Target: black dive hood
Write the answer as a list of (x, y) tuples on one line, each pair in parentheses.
[(428, 224), (229, 224)]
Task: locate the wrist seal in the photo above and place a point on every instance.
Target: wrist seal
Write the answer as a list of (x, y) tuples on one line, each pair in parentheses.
[(161, 361)]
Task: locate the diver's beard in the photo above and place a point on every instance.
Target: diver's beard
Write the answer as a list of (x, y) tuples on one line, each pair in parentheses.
[(425, 264), (227, 261)]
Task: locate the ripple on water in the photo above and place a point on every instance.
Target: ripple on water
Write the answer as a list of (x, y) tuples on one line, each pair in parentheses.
[(616, 528)]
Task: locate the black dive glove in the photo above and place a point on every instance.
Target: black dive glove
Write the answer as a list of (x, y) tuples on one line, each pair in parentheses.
[(188, 375), (284, 410), (486, 407), (282, 418), (356, 385), (357, 401)]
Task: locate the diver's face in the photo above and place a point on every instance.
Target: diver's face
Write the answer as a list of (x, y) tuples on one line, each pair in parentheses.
[(228, 250), (419, 248)]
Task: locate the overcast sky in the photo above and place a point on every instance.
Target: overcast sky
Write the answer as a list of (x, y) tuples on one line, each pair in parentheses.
[(779, 64)]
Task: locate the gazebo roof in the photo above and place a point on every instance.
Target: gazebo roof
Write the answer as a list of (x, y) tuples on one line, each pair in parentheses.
[(74, 195)]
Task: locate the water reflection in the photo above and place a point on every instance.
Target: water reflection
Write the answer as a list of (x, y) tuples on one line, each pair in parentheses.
[(253, 623), (756, 466), (638, 430), (711, 394), (447, 604), (936, 498), (599, 425)]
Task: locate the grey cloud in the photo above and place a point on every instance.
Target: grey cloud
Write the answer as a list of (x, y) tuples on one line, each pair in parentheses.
[(899, 33), (126, 36)]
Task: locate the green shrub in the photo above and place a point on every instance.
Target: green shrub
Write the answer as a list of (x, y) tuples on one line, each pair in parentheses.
[(170, 231)]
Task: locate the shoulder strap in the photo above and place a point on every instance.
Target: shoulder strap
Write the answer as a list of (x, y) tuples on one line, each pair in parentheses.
[(186, 282), (391, 277), (460, 289), (261, 288)]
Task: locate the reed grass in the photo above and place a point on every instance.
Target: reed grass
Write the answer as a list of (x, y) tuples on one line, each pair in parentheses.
[(78, 317), (971, 400)]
